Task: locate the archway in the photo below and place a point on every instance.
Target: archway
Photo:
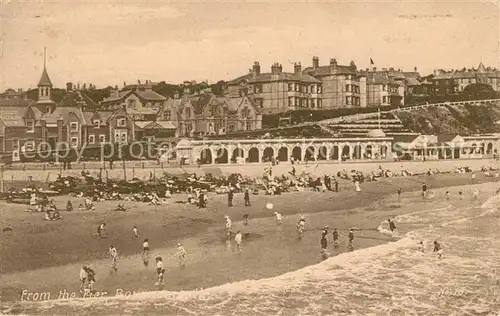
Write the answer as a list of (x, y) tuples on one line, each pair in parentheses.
[(206, 156), (473, 148), (253, 155), (237, 153), (357, 152), (346, 152), (481, 148), (489, 149), (334, 154), (268, 154), (322, 153), (297, 153), (369, 151), (283, 154), (383, 151), (309, 154), (222, 156)]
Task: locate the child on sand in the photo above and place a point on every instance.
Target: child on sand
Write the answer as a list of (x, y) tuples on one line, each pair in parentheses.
[(438, 250), (145, 248), (245, 219), (335, 235), (228, 225), (238, 239), (114, 258), (424, 190), (100, 230), (392, 227), (475, 194), (135, 232), (279, 217), (399, 193), (447, 195), (83, 278), (460, 193), (351, 237), (160, 270), (181, 255)]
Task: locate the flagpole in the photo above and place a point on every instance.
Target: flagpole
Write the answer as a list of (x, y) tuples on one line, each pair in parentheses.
[(379, 118)]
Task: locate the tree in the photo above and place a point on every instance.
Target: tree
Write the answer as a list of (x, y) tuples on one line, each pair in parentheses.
[(478, 91)]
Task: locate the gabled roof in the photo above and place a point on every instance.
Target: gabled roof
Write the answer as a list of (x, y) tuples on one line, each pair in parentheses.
[(64, 113), (13, 116), (45, 80), (72, 98), (143, 111), (144, 95), (446, 138), (199, 102)]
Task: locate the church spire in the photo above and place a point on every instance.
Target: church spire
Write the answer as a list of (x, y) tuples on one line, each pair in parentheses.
[(45, 79)]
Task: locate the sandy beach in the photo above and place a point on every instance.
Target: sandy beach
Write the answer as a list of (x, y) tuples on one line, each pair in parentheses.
[(48, 249)]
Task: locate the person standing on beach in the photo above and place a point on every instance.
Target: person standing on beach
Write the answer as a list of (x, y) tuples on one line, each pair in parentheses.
[(230, 196), (100, 230), (181, 255), (447, 195), (460, 193), (399, 193), (114, 258), (424, 190), (323, 242), (438, 250), (351, 237), (279, 217), (228, 225), (83, 278), (247, 197), (160, 270), (145, 251), (238, 239), (135, 232), (301, 226), (421, 246), (475, 194), (392, 226), (335, 235)]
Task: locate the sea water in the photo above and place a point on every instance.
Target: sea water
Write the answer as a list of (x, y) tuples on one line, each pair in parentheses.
[(391, 279)]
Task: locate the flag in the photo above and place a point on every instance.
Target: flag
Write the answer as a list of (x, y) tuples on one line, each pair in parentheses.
[(371, 62)]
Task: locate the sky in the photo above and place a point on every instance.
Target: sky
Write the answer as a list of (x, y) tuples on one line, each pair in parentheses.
[(112, 42)]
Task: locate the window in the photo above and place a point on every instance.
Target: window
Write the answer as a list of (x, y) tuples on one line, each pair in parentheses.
[(30, 123), (74, 141), (15, 144), (73, 126), (97, 123), (257, 88), (290, 86), (131, 103), (384, 99), (297, 87), (117, 137), (290, 101), (320, 103), (319, 89), (29, 145), (313, 104), (188, 112), (384, 87), (122, 122), (347, 100), (347, 88), (102, 138), (124, 137), (91, 139), (167, 115), (249, 126)]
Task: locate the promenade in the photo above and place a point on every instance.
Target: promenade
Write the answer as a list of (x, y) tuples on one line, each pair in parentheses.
[(144, 169)]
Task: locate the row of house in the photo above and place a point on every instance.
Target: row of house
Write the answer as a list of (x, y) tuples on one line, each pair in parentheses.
[(134, 113), (336, 86)]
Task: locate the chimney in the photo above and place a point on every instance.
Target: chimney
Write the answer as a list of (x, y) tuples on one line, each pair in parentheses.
[(333, 63), (391, 69), (374, 68), (297, 68), (84, 86), (415, 69), (114, 92), (315, 62), (69, 86), (78, 86), (256, 68), (124, 84), (352, 64), (384, 69)]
